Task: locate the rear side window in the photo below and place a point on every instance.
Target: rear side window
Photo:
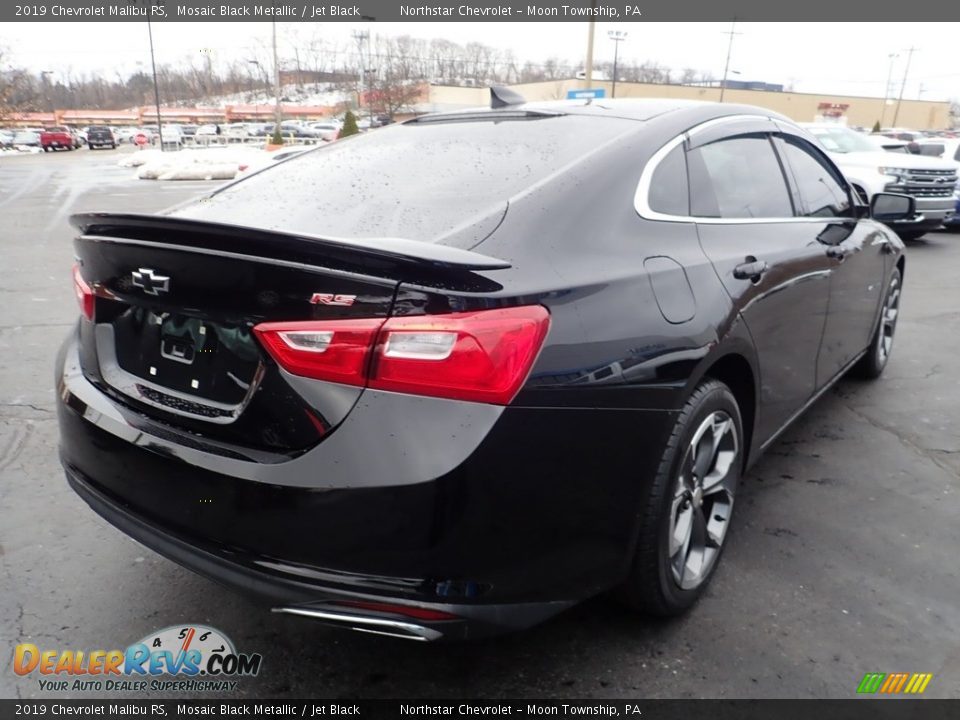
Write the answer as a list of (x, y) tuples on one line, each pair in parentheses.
[(821, 194), (738, 178), (668, 186)]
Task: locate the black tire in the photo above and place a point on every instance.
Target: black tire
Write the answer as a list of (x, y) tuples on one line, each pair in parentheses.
[(652, 585), (871, 365), (113, 146)]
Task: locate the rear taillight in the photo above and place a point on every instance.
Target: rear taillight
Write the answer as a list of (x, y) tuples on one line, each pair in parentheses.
[(334, 350), (84, 293), (482, 356)]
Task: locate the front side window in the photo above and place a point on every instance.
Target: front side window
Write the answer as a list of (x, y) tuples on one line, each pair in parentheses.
[(821, 194), (738, 177)]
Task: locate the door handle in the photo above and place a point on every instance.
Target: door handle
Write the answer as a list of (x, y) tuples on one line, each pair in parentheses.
[(750, 270), (839, 252)]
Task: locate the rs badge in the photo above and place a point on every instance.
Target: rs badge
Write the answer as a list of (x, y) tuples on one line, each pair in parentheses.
[(331, 299)]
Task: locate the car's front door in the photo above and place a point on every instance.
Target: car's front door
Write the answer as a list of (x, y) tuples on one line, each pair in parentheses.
[(858, 252), (774, 269)]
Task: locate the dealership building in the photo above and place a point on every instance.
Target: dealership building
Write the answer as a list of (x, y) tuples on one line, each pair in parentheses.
[(848, 110)]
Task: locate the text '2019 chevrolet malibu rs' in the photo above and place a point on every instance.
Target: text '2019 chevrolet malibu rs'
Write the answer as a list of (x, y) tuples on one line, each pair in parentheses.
[(456, 375)]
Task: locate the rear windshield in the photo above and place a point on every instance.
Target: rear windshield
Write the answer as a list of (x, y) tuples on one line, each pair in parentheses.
[(416, 181)]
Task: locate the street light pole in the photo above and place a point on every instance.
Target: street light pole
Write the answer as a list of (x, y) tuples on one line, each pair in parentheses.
[(618, 36)]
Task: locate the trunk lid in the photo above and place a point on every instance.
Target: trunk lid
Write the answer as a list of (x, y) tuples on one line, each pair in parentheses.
[(176, 301)]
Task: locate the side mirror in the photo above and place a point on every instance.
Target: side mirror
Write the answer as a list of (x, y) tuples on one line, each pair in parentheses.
[(887, 207)]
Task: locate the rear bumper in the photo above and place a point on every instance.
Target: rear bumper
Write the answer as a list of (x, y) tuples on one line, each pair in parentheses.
[(517, 530), (310, 600)]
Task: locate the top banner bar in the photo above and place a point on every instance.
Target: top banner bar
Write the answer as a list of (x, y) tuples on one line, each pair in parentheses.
[(477, 11)]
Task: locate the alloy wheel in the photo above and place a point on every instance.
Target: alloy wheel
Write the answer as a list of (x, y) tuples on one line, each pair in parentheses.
[(703, 500), (888, 321)]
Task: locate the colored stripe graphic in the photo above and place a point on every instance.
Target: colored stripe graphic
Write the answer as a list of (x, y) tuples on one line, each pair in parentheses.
[(871, 682), (894, 683), (919, 681)]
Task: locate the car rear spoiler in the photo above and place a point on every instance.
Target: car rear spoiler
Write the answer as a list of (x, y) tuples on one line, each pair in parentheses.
[(238, 239)]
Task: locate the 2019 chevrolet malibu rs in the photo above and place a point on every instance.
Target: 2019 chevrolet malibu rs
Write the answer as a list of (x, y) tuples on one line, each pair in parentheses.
[(456, 375)]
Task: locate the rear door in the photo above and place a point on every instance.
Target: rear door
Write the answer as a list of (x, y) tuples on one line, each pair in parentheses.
[(858, 252), (770, 263)]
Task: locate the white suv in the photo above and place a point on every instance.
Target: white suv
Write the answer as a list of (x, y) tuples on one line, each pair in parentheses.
[(930, 181)]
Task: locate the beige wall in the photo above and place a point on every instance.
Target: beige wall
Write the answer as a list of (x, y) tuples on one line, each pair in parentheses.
[(802, 107)]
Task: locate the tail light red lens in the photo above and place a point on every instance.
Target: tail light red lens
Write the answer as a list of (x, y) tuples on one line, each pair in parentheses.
[(482, 356), (84, 293), (334, 350)]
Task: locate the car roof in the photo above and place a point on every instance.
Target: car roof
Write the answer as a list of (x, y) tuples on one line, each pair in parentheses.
[(626, 108)]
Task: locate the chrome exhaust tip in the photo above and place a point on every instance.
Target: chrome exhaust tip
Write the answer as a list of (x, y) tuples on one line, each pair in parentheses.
[(364, 623)]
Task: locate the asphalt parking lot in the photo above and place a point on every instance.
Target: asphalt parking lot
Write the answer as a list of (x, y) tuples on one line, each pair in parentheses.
[(844, 558)]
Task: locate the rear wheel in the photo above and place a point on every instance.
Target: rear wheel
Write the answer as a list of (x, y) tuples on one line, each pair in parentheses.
[(872, 364), (687, 512)]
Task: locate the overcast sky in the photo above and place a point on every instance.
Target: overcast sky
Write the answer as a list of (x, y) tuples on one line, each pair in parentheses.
[(842, 58)]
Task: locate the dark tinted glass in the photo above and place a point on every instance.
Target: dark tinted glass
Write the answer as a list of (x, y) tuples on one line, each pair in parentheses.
[(669, 193), (738, 178), (417, 181), (932, 149), (821, 194)]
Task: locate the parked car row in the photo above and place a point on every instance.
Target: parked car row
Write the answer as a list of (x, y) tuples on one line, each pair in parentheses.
[(177, 135)]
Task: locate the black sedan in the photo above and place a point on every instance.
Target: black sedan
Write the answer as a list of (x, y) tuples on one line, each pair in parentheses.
[(454, 376)]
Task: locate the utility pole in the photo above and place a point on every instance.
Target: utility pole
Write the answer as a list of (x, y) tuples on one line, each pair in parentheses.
[(588, 66), (362, 36), (276, 79), (726, 67), (156, 86), (886, 88), (910, 51), (45, 75), (618, 36)]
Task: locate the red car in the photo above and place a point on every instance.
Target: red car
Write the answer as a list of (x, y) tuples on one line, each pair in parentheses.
[(56, 138)]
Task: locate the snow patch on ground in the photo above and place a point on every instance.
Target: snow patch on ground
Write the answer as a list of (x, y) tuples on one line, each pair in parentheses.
[(20, 150), (219, 163)]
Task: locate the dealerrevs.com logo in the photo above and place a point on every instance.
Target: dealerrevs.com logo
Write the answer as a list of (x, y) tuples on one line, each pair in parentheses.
[(198, 657)]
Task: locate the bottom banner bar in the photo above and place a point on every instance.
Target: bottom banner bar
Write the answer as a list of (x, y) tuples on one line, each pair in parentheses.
[(855, 709)]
